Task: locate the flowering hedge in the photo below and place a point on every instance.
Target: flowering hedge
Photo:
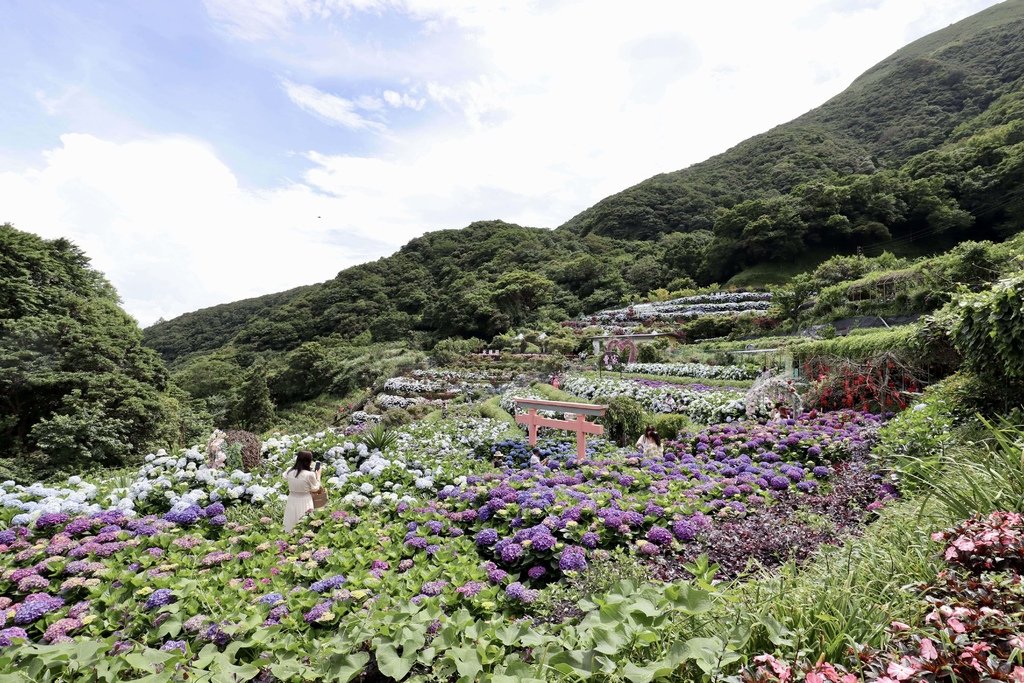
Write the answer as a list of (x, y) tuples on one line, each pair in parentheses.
[(699, 405), (698, 370), (687, 307)]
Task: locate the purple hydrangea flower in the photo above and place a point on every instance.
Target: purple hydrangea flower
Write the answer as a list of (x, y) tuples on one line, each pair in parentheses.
[(186, 516), (573, 559), (590, 539), (330, 583), (543, 542), (433, 588), (35, 606), (486, 537), (318, 611), (8, 635), (659, 535), (218, 520), (271, 599), (511, 552), (214, 510), (171, 645), (48, 520), (536, 572), (497, 575), (470, 588), (821, 472), (518, 591), (159, 598)]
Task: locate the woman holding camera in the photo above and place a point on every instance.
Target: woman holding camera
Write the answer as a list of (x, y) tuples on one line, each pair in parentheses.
[(302, 480)]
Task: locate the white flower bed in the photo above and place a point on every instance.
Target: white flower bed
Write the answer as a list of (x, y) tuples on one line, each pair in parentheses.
[(389, 401), (698, 370), (78, 497), (719, 303), (425, 459), (701, 406), (408, 385)]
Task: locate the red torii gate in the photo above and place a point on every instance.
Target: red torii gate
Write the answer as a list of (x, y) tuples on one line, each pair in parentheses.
[(533, 420)]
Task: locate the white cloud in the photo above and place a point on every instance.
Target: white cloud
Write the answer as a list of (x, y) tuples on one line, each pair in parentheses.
[(54, 105), (524, 111), (333, 109), (400, 100), (167, 222)]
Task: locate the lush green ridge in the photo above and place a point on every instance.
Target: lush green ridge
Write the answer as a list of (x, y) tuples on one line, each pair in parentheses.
[(908, 103), (212, 328), (924, 150)]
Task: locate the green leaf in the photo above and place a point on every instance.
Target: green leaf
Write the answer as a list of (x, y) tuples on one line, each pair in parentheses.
[(466, 661), (344, 667), (392, 664), (608, 641)]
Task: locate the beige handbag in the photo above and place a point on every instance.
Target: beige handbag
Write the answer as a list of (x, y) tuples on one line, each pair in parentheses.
[(319, 497)]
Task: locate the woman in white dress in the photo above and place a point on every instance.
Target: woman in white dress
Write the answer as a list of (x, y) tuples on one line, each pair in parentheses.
[(649, 443), (302, 481)]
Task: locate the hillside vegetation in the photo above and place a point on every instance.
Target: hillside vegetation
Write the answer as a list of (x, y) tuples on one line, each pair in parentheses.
[(75, 380), (924, 150), (919, 145)]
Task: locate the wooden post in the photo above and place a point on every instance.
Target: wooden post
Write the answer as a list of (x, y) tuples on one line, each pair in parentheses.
[(532, 426), (581, 438)]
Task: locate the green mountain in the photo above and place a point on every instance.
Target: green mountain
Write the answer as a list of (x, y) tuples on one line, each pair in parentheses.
[(924, 150), (909, 103)]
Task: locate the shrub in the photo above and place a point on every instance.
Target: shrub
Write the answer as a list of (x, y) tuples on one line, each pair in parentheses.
[(916, 441), (396, 417), (989, 332), (648, 353), (669, 425), (380, 438), (624, 418)]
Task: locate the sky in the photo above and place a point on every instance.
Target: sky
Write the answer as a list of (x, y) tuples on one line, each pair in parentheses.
[(206, 151)]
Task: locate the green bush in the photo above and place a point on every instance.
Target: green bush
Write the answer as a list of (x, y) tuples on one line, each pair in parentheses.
[(859, 346), (624, 420), (491, 408), (648, 353), (990, 331), (915, 443), (396, 417), (669, 425)]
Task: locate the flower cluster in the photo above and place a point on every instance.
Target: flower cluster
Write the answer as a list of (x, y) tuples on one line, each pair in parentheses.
[(698, 370), (718, 303), (700, 405)]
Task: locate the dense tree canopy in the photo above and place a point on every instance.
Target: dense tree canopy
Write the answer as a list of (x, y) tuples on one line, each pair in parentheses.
[(75, 379)]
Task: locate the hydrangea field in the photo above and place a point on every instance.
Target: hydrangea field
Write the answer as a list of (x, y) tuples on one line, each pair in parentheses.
[(719, 303), (180, 563), (449, 557)]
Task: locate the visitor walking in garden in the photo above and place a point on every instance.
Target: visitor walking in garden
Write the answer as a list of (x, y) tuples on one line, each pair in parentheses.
[(649, 443), (302, 481)]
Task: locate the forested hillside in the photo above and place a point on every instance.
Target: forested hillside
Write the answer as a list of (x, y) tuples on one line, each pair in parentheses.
[(924, 150), (75, 380), (478, 281), (850, 172)]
